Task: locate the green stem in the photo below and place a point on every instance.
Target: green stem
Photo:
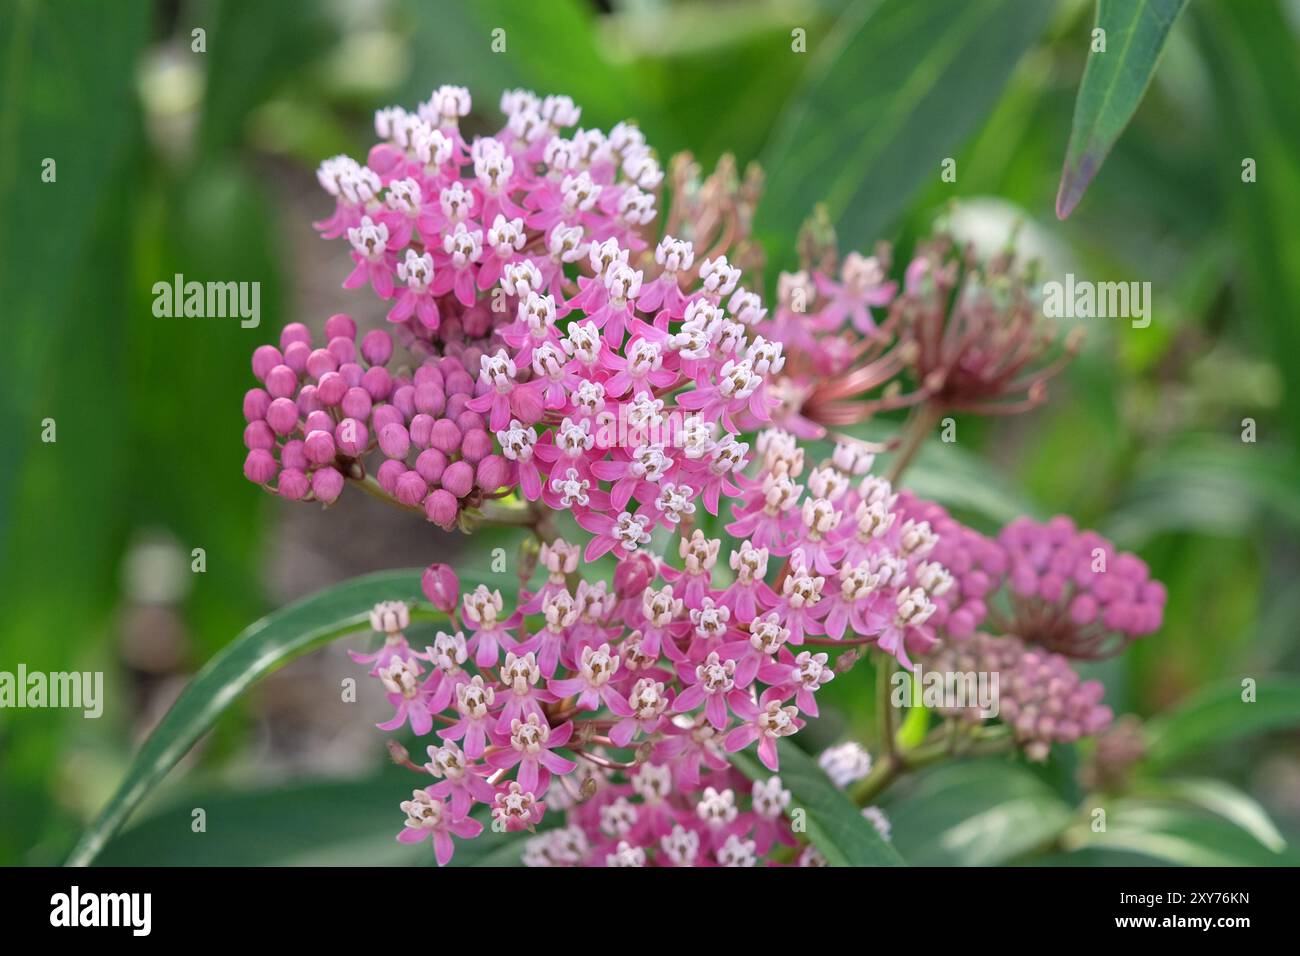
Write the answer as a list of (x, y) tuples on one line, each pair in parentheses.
[(940, 745), (919, 425), (884, 711)]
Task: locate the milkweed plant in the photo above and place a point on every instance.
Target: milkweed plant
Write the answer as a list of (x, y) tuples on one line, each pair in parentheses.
[(578, 347)]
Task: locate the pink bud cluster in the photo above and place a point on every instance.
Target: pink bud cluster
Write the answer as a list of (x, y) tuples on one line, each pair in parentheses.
[(975, 563), (1040, 696), (1074, 593), (321, 412)]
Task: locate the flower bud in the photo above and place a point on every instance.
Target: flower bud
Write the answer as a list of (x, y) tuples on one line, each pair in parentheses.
[(421, 426), (377, 382), (258, 434), (327, 484), (388, 474), (356, 403), (441, 508), (430, 464), (265, 358), (256, 402), (308, 400), (281, 382), (260, 466), (385, 415), (441, 586), (318, 421), (293, 456), (475, 446), (321, 362), (282, 416), (445, 436), (404, 399), (296, 355), (633, 575), (458, 478), (394, 441), (293, 484), (294, 332), (351, 437), (377, 347), (492, 473), (340, 325), (319, 447), (343, 349), (411, 489), (331, 388)]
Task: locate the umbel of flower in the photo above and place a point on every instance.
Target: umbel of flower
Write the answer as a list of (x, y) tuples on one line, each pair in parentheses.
[(535, 299)]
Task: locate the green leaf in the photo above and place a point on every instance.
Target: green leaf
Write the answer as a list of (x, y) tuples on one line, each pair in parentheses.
[(1175, 835), (975, 813), (316, 823), (1249, 49), (1218, 715), (1224, 800), (1208, 485), (544, 45), (251, 49), (835, 824), (262, 648), (895, 89), (1114, 82), (67, 96)]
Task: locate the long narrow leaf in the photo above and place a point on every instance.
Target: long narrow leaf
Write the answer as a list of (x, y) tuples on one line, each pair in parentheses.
[(1114, 81), (264, 647)]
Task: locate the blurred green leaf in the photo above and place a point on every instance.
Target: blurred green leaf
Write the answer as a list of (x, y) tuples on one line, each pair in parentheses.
[(1175, 835), (1224, 800), (975, 813), (895, 89), (1215, 486), (264, 647), (252, 48), (550, 48), (67, 97), (951, 474), (1251, 53), (1218, 715), (835, 825), (315, 823), (966, 483), (1114, 82)]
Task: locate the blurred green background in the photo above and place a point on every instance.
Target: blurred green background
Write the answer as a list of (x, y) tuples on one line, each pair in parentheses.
[(170, 160)]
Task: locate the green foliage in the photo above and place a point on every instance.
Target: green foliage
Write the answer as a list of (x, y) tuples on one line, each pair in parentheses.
[(264, 647), (1218, 716), (834, 824), (896, 88), (1113, 85), (975, 813)]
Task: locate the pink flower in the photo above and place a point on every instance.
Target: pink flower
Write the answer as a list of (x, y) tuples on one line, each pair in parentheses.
[(530, 746), (429, 818), (767, 722)]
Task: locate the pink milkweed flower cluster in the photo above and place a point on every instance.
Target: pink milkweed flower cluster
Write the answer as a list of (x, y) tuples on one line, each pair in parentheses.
[(1074, 593), (551, 349), (1040, 695)]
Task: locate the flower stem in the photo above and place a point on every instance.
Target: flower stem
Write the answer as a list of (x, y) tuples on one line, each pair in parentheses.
[(919, 425)]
